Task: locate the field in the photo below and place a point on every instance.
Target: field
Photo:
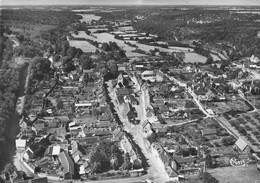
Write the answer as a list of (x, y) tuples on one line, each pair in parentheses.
[(223, 107), (194, 57), (84, 45), (248, 174), (106, 37), (249, 126), (88, 17)]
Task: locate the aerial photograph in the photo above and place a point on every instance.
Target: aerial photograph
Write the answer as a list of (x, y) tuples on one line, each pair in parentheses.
[(129, 91)]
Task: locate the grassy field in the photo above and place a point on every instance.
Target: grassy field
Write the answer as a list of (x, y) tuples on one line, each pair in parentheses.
[(88, 17), (84, 45), (247, 174), (106, 37)]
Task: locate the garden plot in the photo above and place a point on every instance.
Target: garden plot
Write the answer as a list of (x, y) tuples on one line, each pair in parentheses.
[(223, 107), (248, 125)]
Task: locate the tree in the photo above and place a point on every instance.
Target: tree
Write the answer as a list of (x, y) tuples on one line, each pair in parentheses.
[(67, 64), (152, 138), (127, 165), (208, 160), (40, 68), (114, 162), (86, 61), (56, 58), (10, 168), (112, 67), (71, 52), (105, 47), (64, 47), (209, 60)]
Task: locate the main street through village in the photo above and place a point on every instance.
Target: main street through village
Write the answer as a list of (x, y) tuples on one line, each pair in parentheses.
[(156, 170)]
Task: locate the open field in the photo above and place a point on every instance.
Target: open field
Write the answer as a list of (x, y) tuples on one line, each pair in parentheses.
[(106, 37), (248, 174), (84, 45), (88, 17)]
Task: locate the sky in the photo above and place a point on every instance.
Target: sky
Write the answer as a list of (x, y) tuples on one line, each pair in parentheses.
[(130, 2)]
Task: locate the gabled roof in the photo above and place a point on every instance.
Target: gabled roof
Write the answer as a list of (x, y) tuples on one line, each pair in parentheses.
[(160, 73), (124, 91), (180, 159), (66, 163), (127, 110), (208, 131), (120, 99), (241, 144)]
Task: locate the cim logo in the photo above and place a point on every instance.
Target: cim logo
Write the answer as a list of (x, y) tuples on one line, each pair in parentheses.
[(236, 162)]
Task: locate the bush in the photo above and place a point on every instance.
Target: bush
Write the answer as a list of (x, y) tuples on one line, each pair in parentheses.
[(242, 130)]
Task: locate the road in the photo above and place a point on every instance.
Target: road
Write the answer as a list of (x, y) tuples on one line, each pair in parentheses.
[(195, 97), (156, 170)]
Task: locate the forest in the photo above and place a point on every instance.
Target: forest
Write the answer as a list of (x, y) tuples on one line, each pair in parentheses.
[(233, 32), (9, 86)]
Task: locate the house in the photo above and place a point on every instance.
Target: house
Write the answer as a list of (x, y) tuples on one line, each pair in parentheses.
[(128, 112), (118, 134), (149, 75), (122, 67), (180, 160), (67, 165), (37, 149), (120, 81), (20, 144), (242, 145), (160, 76), (209, 94), (208, 132), (53, 150), (124, 91)]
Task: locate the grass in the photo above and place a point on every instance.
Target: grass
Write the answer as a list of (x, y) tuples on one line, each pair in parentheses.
[(84, 45), (236, 175)]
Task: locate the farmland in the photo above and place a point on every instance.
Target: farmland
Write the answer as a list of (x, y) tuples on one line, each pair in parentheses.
[(88, 17), (84, 45)]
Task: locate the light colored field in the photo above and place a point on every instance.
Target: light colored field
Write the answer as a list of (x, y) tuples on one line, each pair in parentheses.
[(247, 174), (89, 17), (215, 57), (84, 45), (106, 37), (194, 57), (181, 48)]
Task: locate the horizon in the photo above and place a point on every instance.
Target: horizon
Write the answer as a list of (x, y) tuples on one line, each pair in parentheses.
[(126, 3)]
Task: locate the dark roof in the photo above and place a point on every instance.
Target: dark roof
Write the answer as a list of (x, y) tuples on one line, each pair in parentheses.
[(103, 124), (124, 91), (66, 163), (40, 180), (200, 91), (88, 140), (180, 159), (208, 131), (127, 110), (120, 99), (102, 132)]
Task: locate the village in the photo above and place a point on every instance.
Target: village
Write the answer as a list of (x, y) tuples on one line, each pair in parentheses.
[(146, 119)]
